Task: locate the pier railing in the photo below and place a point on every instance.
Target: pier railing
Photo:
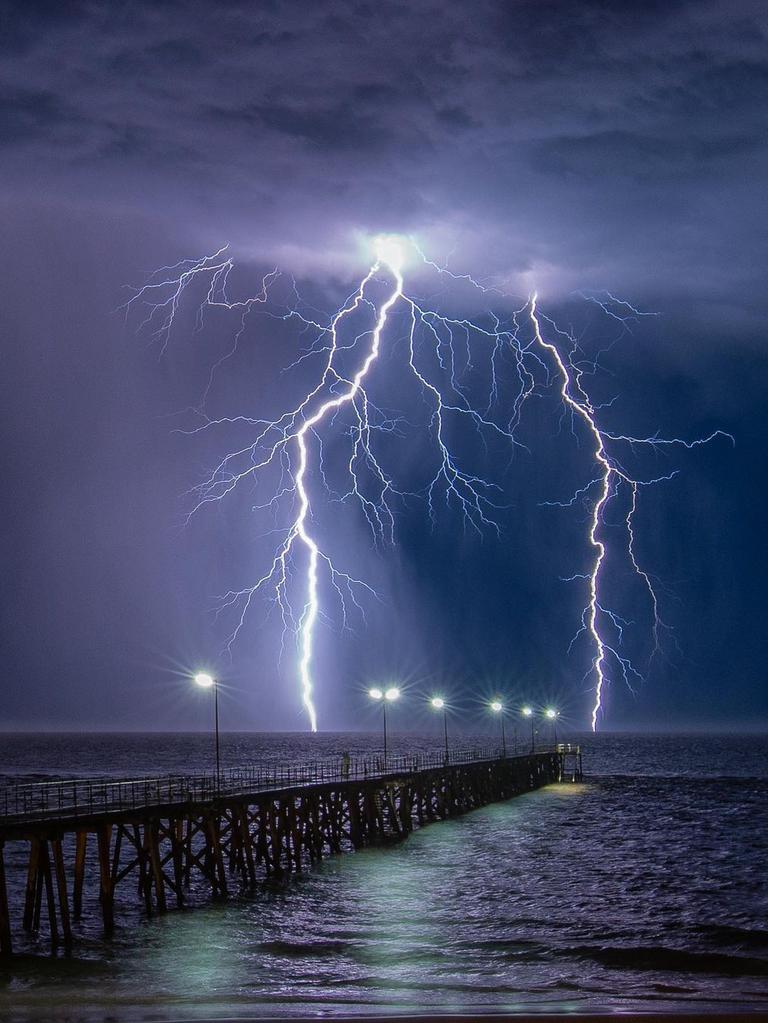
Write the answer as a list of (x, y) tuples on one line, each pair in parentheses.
[(85, 796)]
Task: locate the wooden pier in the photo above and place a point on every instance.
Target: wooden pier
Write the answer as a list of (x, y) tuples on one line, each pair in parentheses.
[(90, 836)]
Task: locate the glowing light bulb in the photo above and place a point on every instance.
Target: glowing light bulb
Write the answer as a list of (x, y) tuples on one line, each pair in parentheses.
[(437, 702), (204, 680)]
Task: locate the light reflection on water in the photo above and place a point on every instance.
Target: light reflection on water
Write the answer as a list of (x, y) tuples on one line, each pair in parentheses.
[(623, 892)]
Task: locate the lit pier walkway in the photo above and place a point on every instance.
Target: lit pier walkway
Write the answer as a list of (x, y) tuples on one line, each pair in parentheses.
[(245, 825)]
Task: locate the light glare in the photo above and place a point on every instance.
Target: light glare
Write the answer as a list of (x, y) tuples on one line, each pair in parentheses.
[(437, 702), (392, 693), (375, 694), (527, 712), (497, 706), (204, 680), (390, 249)]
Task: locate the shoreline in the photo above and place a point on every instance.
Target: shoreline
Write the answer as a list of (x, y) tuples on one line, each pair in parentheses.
[(634, 1016), (134, 1012)]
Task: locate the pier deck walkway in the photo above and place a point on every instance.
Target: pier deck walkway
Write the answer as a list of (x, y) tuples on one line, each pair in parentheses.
[(245, 824)]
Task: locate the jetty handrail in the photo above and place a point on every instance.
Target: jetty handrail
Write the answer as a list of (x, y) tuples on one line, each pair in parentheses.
[(82, 796)]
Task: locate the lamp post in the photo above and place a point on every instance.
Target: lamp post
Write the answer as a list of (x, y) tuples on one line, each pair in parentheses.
[(438, 703), (384, 696), (206, 681), (498, 708), (527, 712), (552, 715)]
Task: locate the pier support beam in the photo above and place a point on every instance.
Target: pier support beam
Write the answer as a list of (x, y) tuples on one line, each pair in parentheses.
[(6, 945), (61, 886), (47, 878), (152, 840), (81, 842), (30, 894), (106, 888)]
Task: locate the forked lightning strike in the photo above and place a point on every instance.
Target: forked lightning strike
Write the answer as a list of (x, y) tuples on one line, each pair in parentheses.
[(440, 350)]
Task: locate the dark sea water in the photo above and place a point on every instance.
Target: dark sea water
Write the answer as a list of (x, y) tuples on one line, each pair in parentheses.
[(645, 887)]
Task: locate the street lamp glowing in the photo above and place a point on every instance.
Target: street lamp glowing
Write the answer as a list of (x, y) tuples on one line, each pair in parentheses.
[(498, 708), (527, 712), (438, 703), (552, 715), (384, 696), (206, 681)]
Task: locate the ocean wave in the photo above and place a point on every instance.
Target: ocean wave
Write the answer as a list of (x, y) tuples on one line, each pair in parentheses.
[(658, 957), (751, 937)]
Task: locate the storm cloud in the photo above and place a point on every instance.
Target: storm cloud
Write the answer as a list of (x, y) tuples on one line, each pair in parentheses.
[(550, 144)]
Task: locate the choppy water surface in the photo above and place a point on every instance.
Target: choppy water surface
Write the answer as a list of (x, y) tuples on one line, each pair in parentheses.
[(644, 887)]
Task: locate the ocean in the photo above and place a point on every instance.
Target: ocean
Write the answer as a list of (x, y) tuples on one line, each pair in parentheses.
[(643, 888)]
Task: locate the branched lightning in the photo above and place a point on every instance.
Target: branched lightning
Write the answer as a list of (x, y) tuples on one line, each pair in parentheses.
[(441, 355), (607, 482)]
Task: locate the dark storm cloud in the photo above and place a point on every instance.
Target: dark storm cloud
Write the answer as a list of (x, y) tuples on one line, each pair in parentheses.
[(556, 144), (22, 25), (339, 128), (27, 114)]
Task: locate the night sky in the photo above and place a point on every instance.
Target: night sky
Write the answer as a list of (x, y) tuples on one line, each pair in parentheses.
[(562, 147)]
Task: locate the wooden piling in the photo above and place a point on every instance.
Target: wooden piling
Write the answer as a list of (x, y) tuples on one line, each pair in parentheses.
[(116, 853), (216, 857), (81, 842), (61, 887), (247, 845), (47, 876), (152, 830), (38, 900), (106, 889), (6, 942), (144, 883), (30, 898), (176, 830)]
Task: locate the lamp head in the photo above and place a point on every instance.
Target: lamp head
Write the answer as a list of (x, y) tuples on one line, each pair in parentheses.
[(497, 706), (392, 693), (204, 680), (551, 713), (437, 702), (527, 712), (375, 694)]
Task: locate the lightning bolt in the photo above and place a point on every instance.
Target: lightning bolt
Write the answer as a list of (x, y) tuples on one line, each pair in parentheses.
[(441, 353), (610, 477), (299, 529)]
